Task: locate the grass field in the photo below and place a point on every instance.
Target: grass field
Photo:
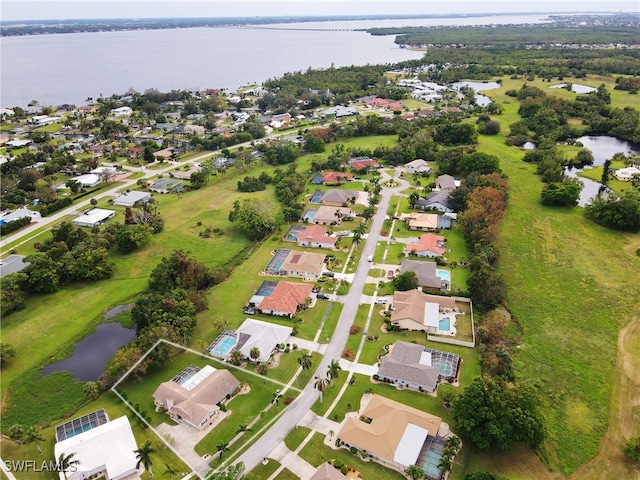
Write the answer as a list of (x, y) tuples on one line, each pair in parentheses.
[(568, 291)]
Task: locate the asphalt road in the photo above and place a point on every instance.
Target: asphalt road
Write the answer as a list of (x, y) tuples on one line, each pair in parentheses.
[(294, 413)]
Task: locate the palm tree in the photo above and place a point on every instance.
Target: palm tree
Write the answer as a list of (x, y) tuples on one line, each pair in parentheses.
[(33, 435), (415, 472), (446, 464), (305, 360), (331, 433), (236, 357), (453, 441), (320, 385), (333, 370), (65, 462), (243, 429), (450, 452), (170, 471), (254, 353), (222, 447), (143, 454)]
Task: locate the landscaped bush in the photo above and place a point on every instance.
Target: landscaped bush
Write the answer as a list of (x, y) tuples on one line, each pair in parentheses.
[(354, 330), (353, 450), (15, 225), (348, 354)]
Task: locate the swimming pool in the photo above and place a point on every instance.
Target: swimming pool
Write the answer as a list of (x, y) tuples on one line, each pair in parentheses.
[(444, 325), (316, 197), (444, 275), (309, 214), (431, 462), (223, 344)]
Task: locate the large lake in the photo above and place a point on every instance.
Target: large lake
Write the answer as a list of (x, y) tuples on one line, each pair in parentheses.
[(69, 68)]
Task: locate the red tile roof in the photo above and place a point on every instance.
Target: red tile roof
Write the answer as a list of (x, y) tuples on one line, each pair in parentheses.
[(286, 297), (428, 242)]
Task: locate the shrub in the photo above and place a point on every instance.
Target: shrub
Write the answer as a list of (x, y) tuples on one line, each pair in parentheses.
[(348, 354), (353, 450), (337, 463), (354, 330), (345, 469), (288, 400)]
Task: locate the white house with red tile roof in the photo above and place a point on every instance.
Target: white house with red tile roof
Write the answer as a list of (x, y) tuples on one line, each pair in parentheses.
[(429, 245), (315, 236), (285, 299)]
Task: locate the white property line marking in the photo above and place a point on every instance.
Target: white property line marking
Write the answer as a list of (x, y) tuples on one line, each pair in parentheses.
[(200, 354)]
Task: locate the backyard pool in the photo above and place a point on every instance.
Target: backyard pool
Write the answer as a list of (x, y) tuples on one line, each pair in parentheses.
[(431, 462), (223, 344), (444, 275), (309, 215), (444, 325), (316, 197)]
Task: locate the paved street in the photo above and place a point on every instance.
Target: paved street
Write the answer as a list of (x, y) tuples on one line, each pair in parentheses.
[(297, 410)]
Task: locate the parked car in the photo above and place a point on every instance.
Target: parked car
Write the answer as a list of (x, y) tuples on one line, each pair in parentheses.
[(381, 301), (322, 296)]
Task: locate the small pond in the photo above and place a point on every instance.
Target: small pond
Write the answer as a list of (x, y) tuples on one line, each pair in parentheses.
[(92, 353), (576, 88), (603, 147), (481, 100)]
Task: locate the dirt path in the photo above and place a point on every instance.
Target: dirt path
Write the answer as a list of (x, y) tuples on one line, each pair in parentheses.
[(610, 462)]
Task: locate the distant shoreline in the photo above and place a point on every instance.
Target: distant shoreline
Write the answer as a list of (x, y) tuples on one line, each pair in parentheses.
[(41, 27)]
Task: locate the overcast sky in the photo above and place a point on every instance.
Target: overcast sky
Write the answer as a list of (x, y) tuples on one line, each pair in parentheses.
[(56, 9)]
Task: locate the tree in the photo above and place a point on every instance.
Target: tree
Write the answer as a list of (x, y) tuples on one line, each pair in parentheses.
[(41, 274), (242, 428), (148, 155), (7, 352), (494, 414), (333, 370), (16, 433), (91, 390), (170, 471), (256, 219), (262, 368), (320, 385), (482, 163), (254, 353), (621, 212), (415, 472), (143, 454), (66, 463), (234, 472), (222, 447), (446, 464), (235, 358), (305, 360), (632, 449), (605, 172), (406, 281), (132, 237), (564, 193), (32, 435)]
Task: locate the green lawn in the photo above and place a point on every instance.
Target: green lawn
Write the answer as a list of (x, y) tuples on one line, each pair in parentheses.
[(265, 470), (295, 437), (115, 409), (568, 290), (316, 453)]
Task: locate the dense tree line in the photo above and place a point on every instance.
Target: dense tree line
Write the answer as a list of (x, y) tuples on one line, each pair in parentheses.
[(618, 211)]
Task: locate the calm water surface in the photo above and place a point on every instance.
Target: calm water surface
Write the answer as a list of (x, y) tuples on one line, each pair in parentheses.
[(93, 352), (69, 68)]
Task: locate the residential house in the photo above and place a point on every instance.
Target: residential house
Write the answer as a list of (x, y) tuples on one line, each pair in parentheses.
[(104, 451), (88, 180), (415, 310), (129, 199), (425, 222), (409, 365), (446, 182), (326, 215), (339, 198), (185, 174), (19, 213), (316, 236), (195, 395), (164, 154), (336, 178), (435, 201), (94, 217), (283, 300), (42, 120), (429, 245), (418, 166), (390, 431), (282, 120), (286, 262), (339, 111), (363, 163), (426, 273), (626, 174), (121, 112), (264, 336), (167, 185), (12, 264), (328, 472)]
